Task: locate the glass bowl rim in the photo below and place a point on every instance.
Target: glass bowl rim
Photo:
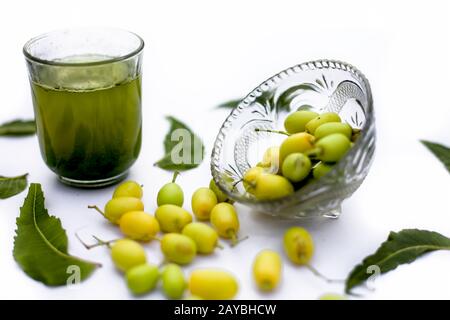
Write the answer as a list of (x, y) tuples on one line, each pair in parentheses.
[(272, 83), (126, 56)]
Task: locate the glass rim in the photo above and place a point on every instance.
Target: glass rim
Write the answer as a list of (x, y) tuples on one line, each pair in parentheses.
[(33, 58)]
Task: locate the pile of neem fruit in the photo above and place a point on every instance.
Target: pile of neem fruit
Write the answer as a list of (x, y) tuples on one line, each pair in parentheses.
[(183, 239), (314, 143)]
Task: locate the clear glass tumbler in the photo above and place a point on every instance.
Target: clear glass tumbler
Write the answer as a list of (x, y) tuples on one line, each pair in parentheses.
[(86, 90)]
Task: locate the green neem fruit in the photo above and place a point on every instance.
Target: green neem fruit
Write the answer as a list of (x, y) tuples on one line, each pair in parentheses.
[(296, 121), (305, 107), (173, 281), (171, 193), (221, 196), (298, 142), (333, 127), (128, 189), (178, 248), (142, 278), (321, 169), (203, 235), (332, 148), (172, 218), (296, 167), (312, 125), (127, 253)]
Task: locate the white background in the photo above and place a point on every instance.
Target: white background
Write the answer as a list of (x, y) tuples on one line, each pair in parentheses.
[(201, 53)]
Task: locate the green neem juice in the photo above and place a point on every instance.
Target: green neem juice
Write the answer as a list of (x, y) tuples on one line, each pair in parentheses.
[(88, 119)]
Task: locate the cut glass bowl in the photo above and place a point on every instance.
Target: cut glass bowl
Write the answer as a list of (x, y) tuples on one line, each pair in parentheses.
[(321, 86)]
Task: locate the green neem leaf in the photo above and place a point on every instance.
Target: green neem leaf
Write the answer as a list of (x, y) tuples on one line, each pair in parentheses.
[(440, 151), (18, 128), (10, 186), (184, 150), (166, 163), (400, 248), (229, 104), (40, 245)]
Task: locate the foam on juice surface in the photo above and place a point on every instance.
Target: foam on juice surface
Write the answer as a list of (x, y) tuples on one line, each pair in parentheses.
[(82, 77)]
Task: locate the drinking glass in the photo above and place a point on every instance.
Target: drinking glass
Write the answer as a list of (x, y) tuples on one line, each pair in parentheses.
[(86, 92)]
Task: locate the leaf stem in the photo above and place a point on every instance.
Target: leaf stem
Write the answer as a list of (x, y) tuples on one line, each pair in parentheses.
[(97, 209), (321, 276), (234, 240), (272, 131), (99, 243), (175, 175)]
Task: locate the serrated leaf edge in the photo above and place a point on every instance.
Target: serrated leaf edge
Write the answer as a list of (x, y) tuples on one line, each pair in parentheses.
[(51, 246), (390, 239)]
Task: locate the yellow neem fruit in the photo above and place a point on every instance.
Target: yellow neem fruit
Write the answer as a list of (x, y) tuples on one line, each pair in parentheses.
[(271, 186), (128, 189), (267, 269), (138, 225), (225, 220), (192, 297), (172, 218), (178, 248), (271, 159), (213, 284), (297, 142), (298, 245), (332, 296), (203, 200), (203, 235), (117, 207), (249, 179)]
